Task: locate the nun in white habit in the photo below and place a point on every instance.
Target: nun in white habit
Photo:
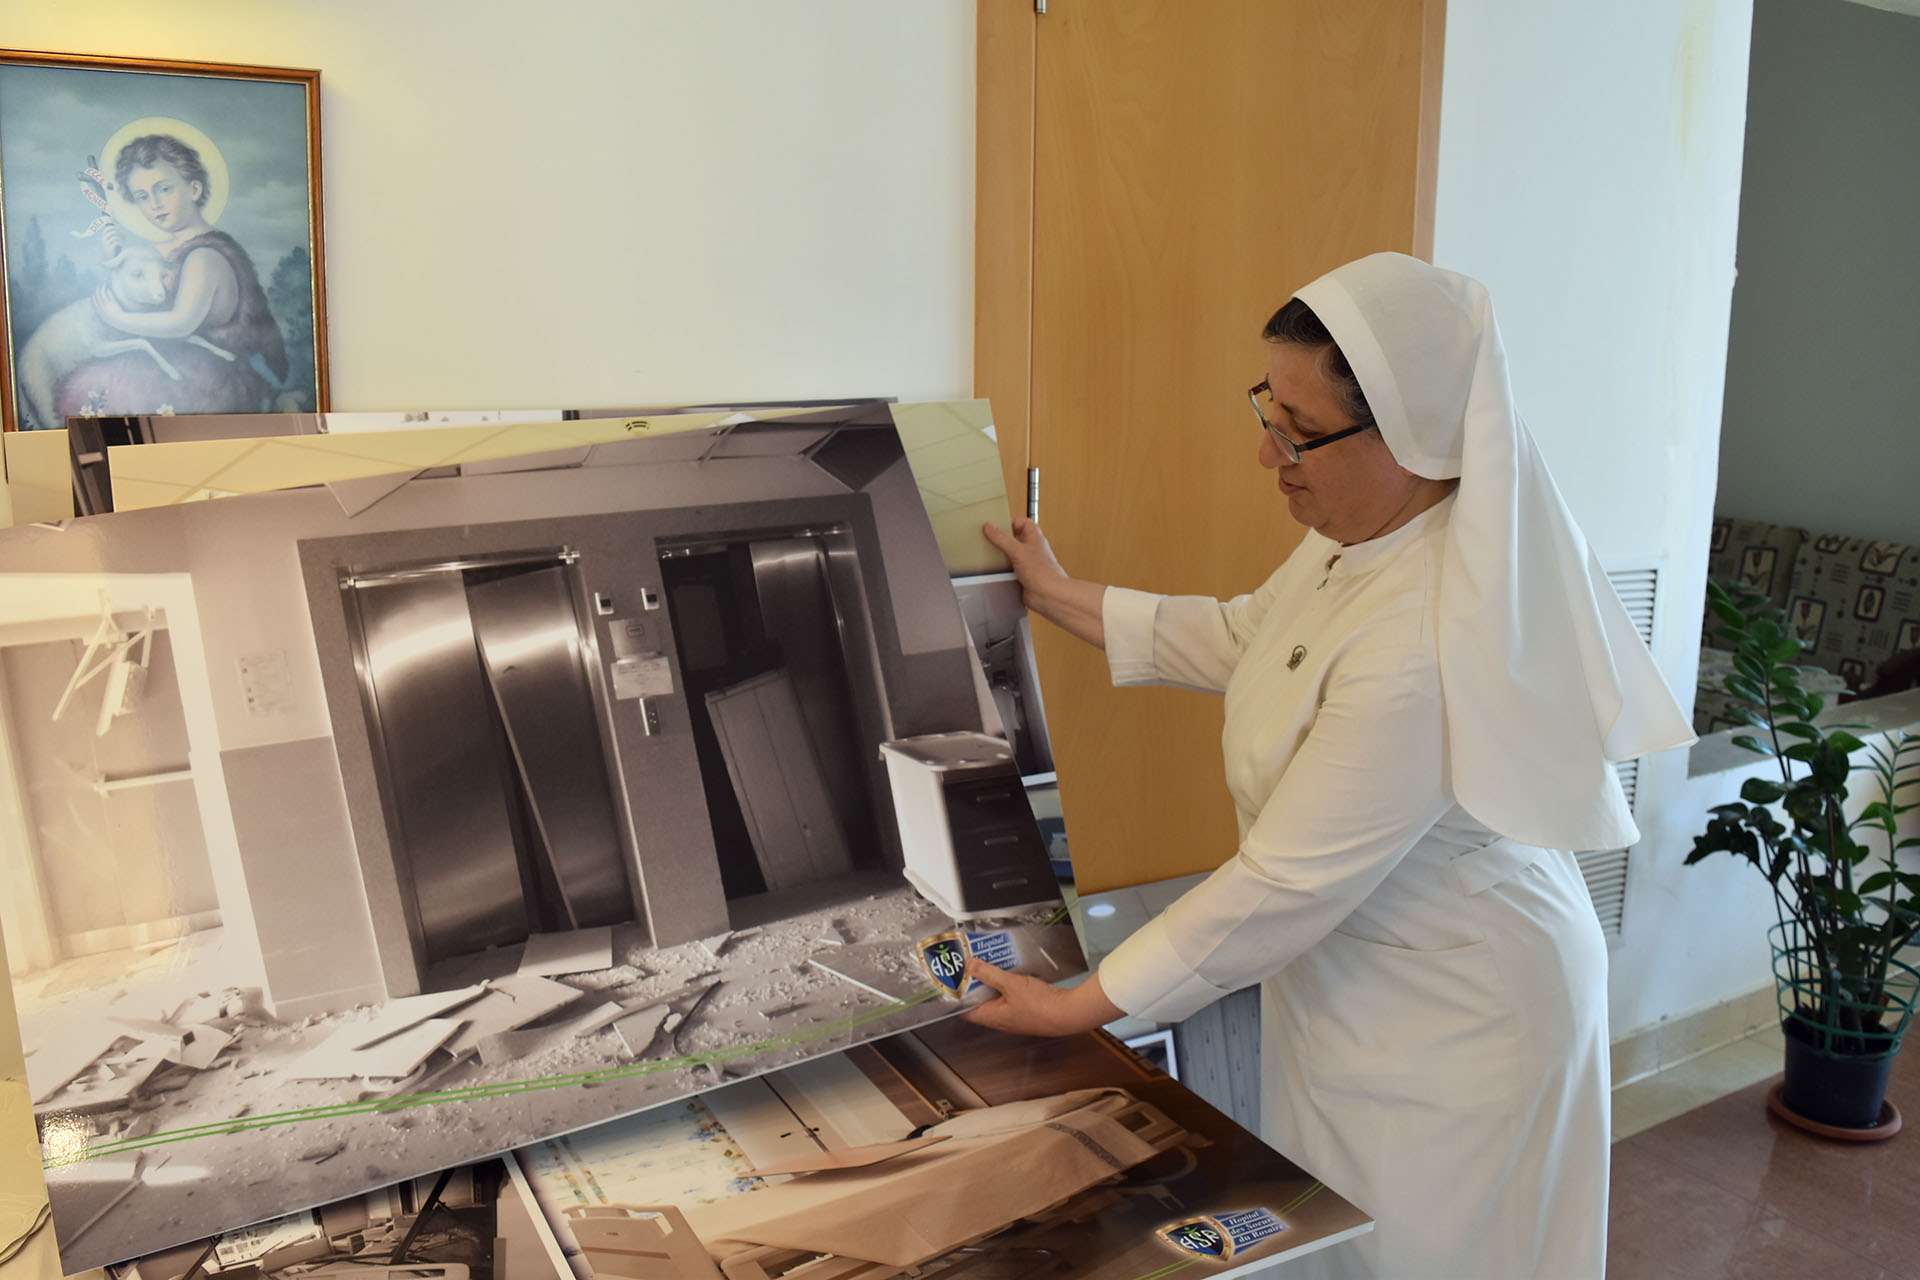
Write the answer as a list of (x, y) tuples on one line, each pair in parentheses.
[(1421, 708)]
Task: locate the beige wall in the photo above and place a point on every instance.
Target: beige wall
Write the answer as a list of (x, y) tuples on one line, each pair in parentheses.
[(615, 201)]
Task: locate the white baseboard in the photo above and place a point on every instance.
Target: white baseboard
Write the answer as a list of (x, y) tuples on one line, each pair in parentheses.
[(1639, 1054)]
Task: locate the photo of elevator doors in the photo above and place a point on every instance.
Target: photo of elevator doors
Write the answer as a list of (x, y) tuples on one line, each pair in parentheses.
[(776, 644), (475, 680)]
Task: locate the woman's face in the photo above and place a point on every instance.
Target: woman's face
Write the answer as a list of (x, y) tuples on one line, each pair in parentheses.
[(168, 199), (1350, 489)]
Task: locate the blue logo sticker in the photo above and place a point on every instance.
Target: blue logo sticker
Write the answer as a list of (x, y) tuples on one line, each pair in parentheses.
[(996, 948), (1198, 1235), (944, 956), (1223, 1235)]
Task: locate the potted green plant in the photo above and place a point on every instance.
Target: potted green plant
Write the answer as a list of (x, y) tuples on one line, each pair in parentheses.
[(1844, 906)]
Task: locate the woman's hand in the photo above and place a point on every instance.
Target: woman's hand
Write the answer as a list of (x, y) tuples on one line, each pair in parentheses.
[(1069, 603), (1029, 1007), (1027, 547)]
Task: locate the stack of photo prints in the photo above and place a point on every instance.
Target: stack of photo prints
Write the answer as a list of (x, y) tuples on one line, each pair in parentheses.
[(486, 846)]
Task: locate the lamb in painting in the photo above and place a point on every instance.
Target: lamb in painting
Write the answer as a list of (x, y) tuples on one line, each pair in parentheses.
[(76, 333)]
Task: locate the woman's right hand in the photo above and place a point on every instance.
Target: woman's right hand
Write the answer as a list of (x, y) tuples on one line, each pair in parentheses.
[(1045, 588)]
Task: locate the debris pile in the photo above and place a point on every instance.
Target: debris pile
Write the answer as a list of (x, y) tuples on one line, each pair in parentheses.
[(122, 1063), (702, 997)]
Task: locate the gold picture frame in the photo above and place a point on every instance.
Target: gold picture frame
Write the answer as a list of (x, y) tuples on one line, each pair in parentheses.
[(160, 239)]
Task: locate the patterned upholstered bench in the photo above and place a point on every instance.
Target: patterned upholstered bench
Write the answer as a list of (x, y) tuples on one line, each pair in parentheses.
[(1856, 603)]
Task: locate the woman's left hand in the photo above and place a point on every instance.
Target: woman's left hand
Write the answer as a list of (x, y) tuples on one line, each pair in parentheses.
[(1029, 1007)]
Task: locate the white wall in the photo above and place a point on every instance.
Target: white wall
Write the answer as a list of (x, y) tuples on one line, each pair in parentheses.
[(615, 201), (1823, 390), (1589, 174)]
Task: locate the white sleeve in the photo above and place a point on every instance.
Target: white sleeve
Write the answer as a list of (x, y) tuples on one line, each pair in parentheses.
[(1361, 791), (1193, 642)]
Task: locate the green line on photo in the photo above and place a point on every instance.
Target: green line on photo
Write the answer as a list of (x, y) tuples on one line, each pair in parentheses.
[(1170, 1269), (404, 1101), (1302, 1198)]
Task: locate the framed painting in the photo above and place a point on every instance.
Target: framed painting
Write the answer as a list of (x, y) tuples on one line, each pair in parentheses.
[(160, 223)]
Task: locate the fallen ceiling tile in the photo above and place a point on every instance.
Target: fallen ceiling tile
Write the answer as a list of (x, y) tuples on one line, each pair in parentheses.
[(579, 951), (509, 1046), (65, 1055), (410, 1011), (148, 1028), (198, 1047), (510, 1002), (638, 1029), (107, 1096), (886, 969), (434, 1072), (204, 1007), (605, 1016), (337, 1059)]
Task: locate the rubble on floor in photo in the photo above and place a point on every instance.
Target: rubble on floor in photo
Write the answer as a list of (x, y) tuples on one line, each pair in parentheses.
[(133, 1073)]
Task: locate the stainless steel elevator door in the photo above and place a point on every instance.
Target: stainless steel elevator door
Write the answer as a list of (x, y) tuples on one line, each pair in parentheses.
[(485, 726), (530, 646), (796, 602), (443, 762), (788, 703)]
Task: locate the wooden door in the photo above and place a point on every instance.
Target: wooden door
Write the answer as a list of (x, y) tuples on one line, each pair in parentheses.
[(1155, 178)]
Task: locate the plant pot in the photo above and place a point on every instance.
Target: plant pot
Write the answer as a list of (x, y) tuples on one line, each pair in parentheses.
[(1839, 1050), (1841, 1090)]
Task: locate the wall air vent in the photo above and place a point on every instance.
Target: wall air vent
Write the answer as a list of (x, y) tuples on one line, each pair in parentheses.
[(1606, 869)]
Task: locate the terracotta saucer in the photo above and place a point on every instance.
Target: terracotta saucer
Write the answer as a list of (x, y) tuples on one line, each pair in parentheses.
[(1885, 1127)]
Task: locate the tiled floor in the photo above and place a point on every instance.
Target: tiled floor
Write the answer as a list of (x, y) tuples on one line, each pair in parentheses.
[(1707, 1184), (1680, 1088)]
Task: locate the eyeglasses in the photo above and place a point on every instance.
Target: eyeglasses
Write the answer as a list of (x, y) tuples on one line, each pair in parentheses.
[(1289, 448)]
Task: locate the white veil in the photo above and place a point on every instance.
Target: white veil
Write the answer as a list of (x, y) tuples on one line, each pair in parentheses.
[(1543, 677)]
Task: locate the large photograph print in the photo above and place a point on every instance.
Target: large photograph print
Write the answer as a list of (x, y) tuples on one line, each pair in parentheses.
[(356, 831), (475, 1222), (945, 1152), (161, 223)]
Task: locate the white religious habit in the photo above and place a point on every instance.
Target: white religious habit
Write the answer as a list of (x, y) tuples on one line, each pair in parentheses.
[(1433, 1043)]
